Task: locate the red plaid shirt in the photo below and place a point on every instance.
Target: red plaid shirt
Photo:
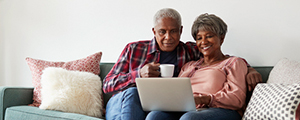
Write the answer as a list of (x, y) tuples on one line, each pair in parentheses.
[(137, 54)]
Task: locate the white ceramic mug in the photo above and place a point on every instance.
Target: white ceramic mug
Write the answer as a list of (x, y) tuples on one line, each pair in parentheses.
[(166, 70)]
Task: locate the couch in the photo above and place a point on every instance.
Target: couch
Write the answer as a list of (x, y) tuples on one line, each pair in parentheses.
[(14, 101)]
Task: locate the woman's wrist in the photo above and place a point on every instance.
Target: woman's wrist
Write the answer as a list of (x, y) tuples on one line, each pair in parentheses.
[(210, 100)]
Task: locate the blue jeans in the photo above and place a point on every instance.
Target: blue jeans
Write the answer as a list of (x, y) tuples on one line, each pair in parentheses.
[(125, 106), (208, 114)]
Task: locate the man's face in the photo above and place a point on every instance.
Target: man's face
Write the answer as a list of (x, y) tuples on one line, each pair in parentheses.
[(167, 33)]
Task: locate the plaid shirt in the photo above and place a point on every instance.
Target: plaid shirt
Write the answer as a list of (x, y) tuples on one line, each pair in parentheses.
[(137, 54)]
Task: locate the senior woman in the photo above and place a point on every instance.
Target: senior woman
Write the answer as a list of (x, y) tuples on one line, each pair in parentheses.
[(218, 80)]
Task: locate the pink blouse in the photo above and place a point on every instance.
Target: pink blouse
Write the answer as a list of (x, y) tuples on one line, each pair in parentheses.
[(225, 81)]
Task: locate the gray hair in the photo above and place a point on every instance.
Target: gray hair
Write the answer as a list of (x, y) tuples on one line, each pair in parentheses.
[(167, 12), (209, 22)]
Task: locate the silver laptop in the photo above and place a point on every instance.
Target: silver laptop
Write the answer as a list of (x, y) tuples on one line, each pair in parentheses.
[(166, 94)]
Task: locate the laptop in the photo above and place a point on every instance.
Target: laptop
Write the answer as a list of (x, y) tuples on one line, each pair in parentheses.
[(166, 94)]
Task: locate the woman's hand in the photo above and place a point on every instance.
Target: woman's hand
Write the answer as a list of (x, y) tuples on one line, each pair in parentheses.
[(202, 100)]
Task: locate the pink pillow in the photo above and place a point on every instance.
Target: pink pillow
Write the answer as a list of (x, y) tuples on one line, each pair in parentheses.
[(88, 64)]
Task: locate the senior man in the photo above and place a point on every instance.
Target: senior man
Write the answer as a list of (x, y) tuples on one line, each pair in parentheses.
[(142, 59)]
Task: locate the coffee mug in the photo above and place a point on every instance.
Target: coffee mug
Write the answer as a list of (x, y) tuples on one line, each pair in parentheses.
[(166, 70)]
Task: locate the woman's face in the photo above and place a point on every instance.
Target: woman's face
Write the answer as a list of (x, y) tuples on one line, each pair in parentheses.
[(208, 43)]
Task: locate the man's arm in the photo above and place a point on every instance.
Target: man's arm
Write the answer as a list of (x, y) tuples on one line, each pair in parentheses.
[(252, 78), (121, 75)]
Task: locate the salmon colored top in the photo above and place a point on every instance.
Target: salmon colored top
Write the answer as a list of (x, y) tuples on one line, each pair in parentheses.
[(224, 81)]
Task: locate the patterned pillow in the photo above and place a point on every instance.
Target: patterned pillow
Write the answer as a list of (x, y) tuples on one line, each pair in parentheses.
[(285, 71), (274, 102), (88, 64)]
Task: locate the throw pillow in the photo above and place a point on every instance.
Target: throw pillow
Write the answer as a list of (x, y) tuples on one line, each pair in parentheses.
[(88, 64), (274, 102), (286, 72), (71, 91)]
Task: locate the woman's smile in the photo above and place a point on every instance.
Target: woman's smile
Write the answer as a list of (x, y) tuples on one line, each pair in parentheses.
[(205, 48)]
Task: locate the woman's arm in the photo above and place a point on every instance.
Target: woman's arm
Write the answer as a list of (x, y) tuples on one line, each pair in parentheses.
[(233, 94)]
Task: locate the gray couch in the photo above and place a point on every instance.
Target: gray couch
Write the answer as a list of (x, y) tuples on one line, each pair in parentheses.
[(14, 101)]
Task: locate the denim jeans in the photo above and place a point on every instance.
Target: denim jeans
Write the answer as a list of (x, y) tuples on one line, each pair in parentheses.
[(125, 106), (207, 114)]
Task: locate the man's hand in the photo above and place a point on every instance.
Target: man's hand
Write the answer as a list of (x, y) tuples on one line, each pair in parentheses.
[(252, 78), (150, 70)]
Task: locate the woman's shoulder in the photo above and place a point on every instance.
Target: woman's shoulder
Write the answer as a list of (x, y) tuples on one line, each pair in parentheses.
[(233, 60)]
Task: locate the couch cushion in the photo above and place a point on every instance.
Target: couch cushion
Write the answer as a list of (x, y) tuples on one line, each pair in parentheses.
[(105, 68), (34, 113), (264, 71)]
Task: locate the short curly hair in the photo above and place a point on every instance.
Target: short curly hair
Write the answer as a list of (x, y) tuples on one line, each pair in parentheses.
[(209, 22)]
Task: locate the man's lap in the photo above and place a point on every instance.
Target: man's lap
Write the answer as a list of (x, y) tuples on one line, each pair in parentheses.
[(125, 105)]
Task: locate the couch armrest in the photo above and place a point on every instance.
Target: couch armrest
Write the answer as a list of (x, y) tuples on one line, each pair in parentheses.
[(14, 96)]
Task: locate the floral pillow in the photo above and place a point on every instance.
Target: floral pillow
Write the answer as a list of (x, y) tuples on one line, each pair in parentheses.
[(88, 64)]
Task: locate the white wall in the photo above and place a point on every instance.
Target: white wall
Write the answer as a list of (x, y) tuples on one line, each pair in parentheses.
[(261, 31)]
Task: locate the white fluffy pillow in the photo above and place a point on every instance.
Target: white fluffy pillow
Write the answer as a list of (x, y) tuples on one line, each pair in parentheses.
[(285, 72), (71, 91)]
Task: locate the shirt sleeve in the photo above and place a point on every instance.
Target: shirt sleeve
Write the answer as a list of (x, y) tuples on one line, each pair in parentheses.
[(121, 76), (233, 94)]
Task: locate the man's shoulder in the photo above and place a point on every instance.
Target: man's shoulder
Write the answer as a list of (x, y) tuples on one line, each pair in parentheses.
[(189, 43), (140, 43), (190, 50), (236, 60)]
